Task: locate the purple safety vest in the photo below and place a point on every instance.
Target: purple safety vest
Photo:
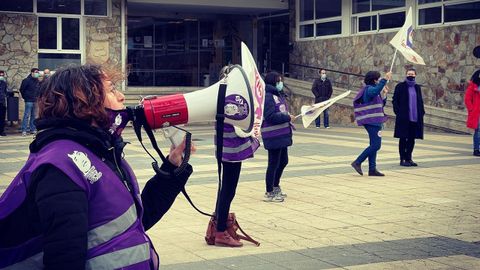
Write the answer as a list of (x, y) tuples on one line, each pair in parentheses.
[(116, 237), (368, 113), (270, 130), (236, 148)]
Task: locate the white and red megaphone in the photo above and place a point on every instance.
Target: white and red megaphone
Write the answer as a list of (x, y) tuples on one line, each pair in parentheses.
[(243, 101)]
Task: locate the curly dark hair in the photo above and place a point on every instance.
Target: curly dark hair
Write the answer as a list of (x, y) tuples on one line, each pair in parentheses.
[(75, 92)]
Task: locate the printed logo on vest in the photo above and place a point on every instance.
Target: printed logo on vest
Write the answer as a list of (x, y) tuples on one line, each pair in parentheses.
[(85, 165)]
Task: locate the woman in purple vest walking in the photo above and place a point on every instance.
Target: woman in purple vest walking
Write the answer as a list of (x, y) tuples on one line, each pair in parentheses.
[(408, 107), (276, 134), (368, 109), (76, 203)]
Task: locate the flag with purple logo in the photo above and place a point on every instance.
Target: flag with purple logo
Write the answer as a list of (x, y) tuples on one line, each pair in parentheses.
[(402, 41)]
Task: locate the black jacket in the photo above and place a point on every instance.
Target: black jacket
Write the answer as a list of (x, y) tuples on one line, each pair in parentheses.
[(29, 89), (322, 90), (401, 108), (57, 208), (3, 92)]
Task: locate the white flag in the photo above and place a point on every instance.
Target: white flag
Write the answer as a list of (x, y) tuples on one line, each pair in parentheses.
[(311, 112), (402, 41)]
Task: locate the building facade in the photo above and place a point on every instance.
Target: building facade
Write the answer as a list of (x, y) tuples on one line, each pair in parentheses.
[(353, 36)]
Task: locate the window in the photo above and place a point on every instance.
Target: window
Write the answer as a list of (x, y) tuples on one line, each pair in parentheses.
[(17, 5), (96, 7), (58, 41), (375, 15), (447, 11), (319, 18), (59, 6), (68, 38)]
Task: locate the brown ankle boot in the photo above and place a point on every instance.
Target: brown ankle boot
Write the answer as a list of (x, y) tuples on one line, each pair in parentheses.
[(225, 240)]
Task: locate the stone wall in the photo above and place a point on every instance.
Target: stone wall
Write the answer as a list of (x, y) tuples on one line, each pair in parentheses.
[(104, 38), (447, 52), (18, 46)]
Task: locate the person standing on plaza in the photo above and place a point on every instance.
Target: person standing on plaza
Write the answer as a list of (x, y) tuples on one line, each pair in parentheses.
[(235, 150), (472, 102), (322, 90), (368, 108), (408, 107), (30, 90), (76, 203), (3, 102), (276, 134)]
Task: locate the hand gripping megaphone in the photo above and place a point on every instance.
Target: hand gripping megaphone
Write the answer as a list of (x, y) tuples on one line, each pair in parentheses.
[(243, 102)]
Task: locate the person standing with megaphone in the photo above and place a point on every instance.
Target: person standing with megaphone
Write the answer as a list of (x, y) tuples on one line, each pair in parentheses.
[(276, 134)]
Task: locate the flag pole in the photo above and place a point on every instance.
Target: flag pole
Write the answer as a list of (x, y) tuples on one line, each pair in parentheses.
[(393, 61)]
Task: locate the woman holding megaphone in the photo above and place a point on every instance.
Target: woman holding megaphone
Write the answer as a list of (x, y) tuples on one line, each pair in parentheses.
[(276, 134), (76, 203)]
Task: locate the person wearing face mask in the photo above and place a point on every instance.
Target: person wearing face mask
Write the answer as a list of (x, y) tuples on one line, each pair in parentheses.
[(30, 90), (409, 111), (276, 134), (76, 203), (322, 90), (368, 109), (3, 102), (472, 102)]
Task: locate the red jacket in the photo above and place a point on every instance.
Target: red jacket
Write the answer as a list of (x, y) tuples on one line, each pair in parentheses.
[(472, 102)]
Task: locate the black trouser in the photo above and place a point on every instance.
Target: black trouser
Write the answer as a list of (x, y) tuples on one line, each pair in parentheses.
[(230, 176), (277, 161), (3, 111), (405, 147)]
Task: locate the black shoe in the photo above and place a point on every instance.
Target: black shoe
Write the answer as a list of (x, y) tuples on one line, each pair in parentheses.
[(357, 167), (411, 163), (3, 134), (476, 153), (375, 173), (405, 164)]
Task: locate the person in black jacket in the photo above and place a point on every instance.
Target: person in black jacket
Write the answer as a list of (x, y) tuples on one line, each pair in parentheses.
[(277, 133), (322, 90), (3, 102), (29, 91), (75, 107), (408, 107)]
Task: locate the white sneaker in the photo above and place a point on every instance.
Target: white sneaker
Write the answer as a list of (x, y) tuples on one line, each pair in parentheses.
[(278, 190), (327, 127), (272, 197)]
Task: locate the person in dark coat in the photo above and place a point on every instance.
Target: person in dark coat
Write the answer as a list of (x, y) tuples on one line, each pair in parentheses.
[(322, 90), (408, 107), (30, 90), (3, 102), (276, 135)]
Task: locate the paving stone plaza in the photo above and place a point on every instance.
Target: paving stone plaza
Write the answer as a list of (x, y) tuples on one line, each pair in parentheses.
[(424, 217)]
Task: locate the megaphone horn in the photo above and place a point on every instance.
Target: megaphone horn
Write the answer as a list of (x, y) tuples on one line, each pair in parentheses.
[(201, 105)]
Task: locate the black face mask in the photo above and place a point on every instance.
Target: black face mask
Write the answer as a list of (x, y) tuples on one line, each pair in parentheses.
[(411, 78)]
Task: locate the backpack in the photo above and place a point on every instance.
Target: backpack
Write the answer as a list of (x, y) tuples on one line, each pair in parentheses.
[(232, 227)]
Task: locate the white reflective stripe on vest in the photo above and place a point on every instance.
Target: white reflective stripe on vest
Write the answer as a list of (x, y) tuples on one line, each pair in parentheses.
[(107, 231), (230, 135), (370, 116), (232, 150), (275, 127), (120, 258), (368, 107), (32, 263)]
